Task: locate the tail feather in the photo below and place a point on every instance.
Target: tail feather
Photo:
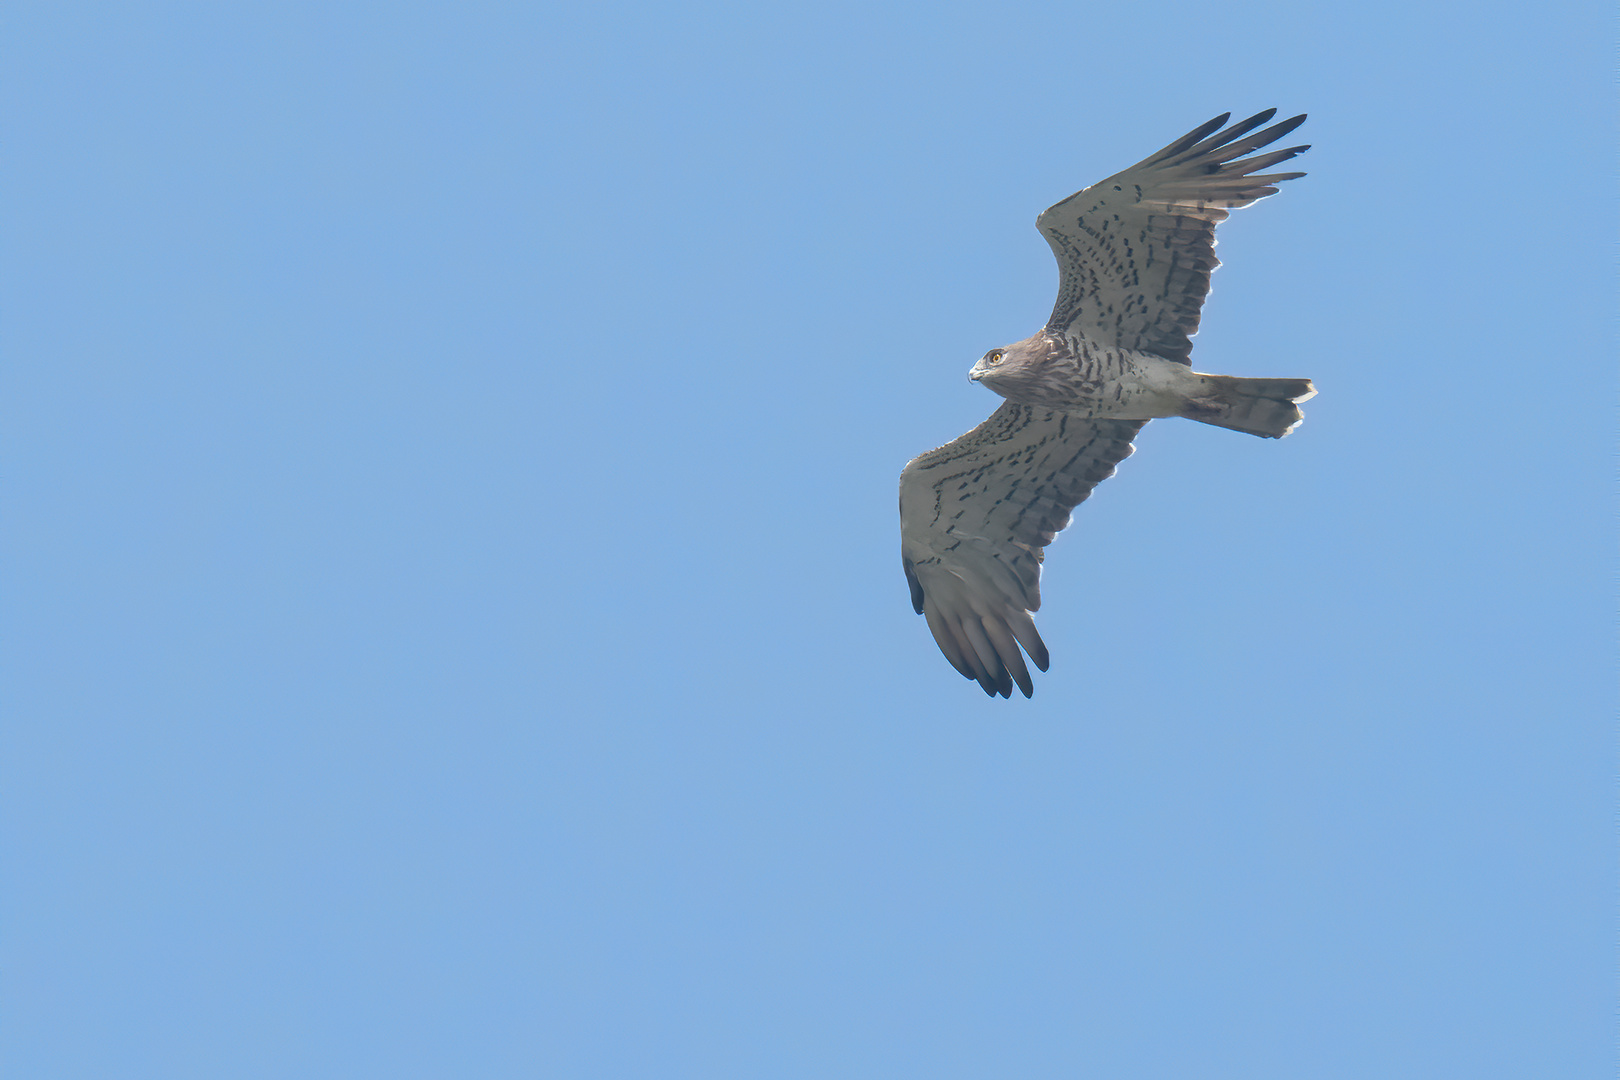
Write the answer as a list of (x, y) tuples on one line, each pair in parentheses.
[(1264, 407)]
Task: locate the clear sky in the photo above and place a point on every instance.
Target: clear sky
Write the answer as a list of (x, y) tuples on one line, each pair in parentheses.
[(456, 625)]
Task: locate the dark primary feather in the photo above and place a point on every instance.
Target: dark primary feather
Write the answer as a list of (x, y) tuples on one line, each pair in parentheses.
[(1135, 251)]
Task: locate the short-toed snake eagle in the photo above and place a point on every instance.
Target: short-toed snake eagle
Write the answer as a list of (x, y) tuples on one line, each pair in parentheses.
[(1134, 256)]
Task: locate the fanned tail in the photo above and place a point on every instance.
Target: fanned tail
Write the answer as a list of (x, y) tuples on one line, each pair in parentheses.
[(1268, 408)]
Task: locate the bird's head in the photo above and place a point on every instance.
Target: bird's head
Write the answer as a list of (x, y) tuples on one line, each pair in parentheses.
[(1010, 366)]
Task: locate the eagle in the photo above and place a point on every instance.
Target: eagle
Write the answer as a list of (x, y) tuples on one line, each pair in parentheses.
[(1134, 256)]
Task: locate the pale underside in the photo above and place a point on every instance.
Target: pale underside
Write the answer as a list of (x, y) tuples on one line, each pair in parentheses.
[(1134, 256)]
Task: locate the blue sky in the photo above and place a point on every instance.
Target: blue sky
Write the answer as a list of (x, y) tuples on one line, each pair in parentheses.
[(457, 626)]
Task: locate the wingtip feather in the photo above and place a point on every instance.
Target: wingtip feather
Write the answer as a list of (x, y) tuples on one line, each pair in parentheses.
[(1192, 138), (1006, 647)]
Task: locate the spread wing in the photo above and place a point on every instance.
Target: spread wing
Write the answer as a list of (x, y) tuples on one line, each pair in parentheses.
[(974, 517), (1135, 251)]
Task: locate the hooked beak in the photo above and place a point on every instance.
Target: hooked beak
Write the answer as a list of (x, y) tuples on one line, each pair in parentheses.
[(975, 373)]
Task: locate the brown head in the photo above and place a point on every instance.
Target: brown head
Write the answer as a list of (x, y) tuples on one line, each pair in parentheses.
[(1023, 371)]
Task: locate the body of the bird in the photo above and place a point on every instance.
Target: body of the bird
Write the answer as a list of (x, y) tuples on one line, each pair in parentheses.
[(1087, 379)]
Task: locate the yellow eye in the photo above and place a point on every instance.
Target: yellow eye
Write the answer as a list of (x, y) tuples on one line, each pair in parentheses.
[(993, 357)]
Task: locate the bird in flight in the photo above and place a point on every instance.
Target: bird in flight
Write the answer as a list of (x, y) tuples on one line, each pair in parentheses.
[(1134, 256)]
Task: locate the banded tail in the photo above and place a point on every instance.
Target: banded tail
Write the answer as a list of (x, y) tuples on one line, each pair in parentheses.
[(1265, 407)]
